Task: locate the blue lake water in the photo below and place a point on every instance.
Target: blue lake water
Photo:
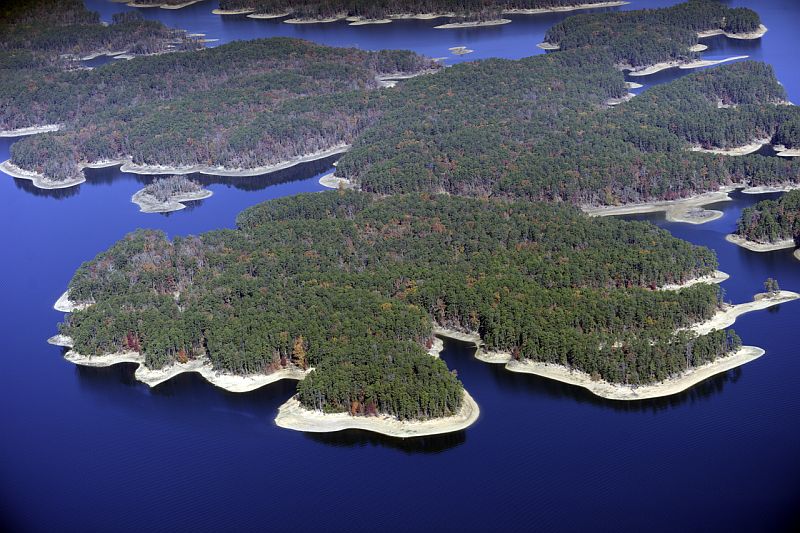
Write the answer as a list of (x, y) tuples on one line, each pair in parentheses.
[(94, 450)]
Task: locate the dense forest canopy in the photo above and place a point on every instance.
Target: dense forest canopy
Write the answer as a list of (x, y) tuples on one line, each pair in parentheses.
[(771, 221), (379, 9), (164, 189), (239, 105), (648, 36), (537, 129), (41, 32), (350, 284)]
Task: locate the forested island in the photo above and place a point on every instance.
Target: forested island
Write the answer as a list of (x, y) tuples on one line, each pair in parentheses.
[(770, 224), (244, 108), (163, 195), (351, 284), (460, 12), (570, 146), (40, 36), (644, 38)]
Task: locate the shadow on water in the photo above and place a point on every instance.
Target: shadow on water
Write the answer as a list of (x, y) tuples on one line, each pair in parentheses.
[(355, 438), (187, 388), (110, 175)]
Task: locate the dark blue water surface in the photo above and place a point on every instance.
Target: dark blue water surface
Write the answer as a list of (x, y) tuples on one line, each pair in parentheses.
[(94, 450)]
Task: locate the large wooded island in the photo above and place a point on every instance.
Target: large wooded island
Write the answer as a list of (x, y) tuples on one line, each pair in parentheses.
[(466, 218)]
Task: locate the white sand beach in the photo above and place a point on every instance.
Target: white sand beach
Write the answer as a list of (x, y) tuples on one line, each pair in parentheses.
[(758, 246), (727, 316), (31, 130), (689, 210), (746, 149), (717, 277), (472, 24), (749, 35), (149, 204), (292, 415)]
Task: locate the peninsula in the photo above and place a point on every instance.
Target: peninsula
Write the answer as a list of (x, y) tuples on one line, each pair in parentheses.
[(681, 381), (286, 101), (460, 14)]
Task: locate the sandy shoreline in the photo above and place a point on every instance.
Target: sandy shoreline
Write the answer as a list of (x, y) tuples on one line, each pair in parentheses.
[(31, 130), (727, 316), (126, 165), (548, 46), (332, 182), (267, 16), (616, 101), (202, 366), (65, 305), (759, 247), (736, 151), (750, 35), (658, 67), (361, 21), (163, 6), (39, 180), (292, 415), (148, 204), (782, 151), (473, 24), (231, 11), (613, 391), (689, 210), (717, 277), (698, 47)]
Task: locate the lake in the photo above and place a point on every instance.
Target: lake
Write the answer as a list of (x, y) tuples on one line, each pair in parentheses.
[(92, 449)]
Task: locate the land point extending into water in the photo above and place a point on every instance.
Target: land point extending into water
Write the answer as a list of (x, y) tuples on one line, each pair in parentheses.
[(760, 246), (362, 21), (291, 415), (126, 165), (724, 318)]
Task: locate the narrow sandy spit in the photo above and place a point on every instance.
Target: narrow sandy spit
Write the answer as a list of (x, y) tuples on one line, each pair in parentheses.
[(658, 67), (758, 246), (736, 151), (786, 152), (231, 11), (689, 210), (32, 130), (292, 415), (332, 182), (727, 316), (474, 24), (717, 277), (751, 35)]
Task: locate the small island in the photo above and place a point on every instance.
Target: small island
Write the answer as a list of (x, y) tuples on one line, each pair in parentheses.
[(769, 225), (164, 195)]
